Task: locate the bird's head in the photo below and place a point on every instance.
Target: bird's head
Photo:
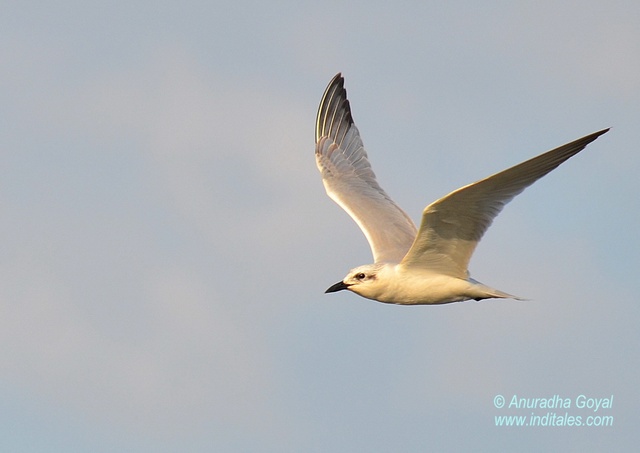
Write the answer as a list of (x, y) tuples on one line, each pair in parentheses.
[(367, 281)]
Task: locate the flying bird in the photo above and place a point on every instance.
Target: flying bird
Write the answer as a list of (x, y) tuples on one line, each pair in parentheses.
[(415, 266)]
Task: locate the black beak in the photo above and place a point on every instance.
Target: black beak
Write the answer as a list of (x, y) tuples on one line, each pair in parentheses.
[(337, 287)]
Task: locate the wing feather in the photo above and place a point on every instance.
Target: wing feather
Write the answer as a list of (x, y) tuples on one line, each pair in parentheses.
[(350, 181), (452, 226)]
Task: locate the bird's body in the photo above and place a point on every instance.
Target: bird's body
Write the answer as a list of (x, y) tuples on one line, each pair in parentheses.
[(415, 266), (397, 284)]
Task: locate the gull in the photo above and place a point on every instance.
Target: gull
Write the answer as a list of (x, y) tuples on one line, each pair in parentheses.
[(416, 266)]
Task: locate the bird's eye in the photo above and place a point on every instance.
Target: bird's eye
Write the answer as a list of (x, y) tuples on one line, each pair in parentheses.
[(360, 276)]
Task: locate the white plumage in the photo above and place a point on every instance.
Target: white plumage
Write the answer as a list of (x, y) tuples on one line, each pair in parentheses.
[(429, 265)]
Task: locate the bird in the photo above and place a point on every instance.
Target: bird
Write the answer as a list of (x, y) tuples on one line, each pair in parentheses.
[(416, 266)]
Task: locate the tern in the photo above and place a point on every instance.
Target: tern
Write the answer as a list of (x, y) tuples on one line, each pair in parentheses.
[(415, 266)]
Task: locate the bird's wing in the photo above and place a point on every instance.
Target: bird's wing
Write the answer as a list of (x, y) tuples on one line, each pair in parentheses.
[(350, 182), (453, 225)]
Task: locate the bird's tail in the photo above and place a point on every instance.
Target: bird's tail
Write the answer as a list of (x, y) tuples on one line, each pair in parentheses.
[(491, 293)]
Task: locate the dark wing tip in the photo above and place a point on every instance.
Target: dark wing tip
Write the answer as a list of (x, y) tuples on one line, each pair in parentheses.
[(578, 145), (334, 103), (599, 133)]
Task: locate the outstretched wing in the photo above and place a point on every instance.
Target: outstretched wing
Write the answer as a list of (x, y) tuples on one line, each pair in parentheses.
[(453, 225), (350, 182)]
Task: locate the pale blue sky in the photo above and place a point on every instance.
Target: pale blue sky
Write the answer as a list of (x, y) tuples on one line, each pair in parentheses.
[(166, 239)]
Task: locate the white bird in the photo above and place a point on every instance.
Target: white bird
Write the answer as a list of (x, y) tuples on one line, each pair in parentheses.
[(429, 265)]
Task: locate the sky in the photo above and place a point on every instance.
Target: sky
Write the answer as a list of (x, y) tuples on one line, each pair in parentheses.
[(166, 240)]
